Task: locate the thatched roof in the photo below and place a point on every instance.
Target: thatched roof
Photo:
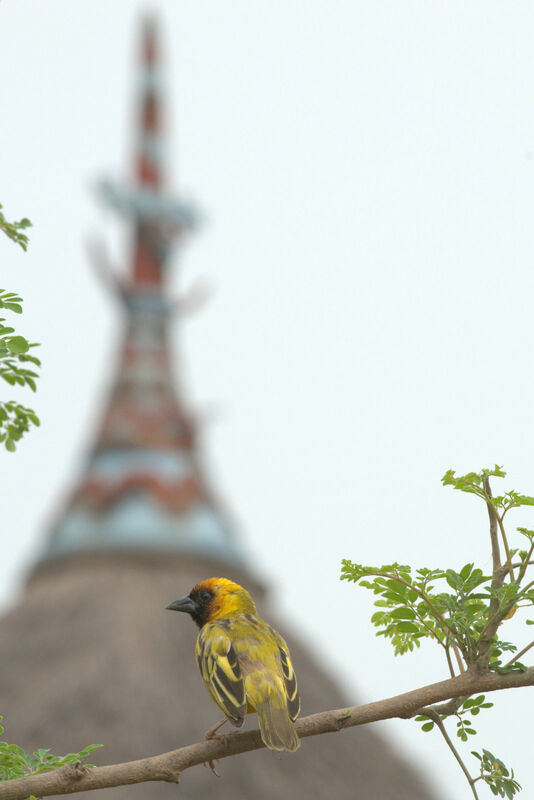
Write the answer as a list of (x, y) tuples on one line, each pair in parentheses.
[(90, 655)]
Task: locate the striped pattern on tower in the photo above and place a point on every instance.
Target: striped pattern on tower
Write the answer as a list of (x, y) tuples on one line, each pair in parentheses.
[(144, 485)]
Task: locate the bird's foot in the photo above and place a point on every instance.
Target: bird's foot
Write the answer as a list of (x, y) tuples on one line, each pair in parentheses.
[(211, 734), (211, 765)]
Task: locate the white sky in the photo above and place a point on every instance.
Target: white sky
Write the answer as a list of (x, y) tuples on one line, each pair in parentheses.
[(367, 174)]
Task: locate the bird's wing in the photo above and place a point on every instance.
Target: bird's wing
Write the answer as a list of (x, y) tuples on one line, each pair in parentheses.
[(290, 679), (219, 666)]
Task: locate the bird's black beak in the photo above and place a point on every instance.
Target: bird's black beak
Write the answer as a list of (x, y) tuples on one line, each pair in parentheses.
[(183, 604)]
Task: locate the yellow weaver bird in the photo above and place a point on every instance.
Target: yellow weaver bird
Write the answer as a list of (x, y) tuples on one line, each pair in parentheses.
[(244, 662)]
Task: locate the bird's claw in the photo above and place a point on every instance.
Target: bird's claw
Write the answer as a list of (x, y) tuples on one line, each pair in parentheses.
[(211, 765), (210, 735)]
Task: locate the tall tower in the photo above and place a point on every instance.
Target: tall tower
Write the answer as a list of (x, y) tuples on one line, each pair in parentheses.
[(89, 654), (143, 485)]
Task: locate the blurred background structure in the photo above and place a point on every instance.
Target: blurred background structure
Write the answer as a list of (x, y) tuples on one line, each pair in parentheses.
[(89, 654)]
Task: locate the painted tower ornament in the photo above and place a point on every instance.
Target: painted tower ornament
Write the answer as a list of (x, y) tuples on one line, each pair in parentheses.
[(143, 484)]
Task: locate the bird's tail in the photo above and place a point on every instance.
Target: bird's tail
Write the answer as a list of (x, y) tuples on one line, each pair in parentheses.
[(276, 728)]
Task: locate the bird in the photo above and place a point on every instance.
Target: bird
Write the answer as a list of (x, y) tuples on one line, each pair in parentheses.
[(244, 662)]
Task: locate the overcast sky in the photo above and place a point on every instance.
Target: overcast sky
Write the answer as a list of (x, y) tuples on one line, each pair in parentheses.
[(366, 172)]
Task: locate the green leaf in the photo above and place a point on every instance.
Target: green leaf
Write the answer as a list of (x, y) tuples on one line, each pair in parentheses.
[(403, 613), (524, 500), (14, 230), (407, 627), (452, 578), (18, 344), (427, 726), (466, 571)]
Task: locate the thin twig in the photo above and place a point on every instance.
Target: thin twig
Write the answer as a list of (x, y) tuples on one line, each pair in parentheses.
[(443, 644), (525, 564), (528, 586), (498, 575), (518, 564), (458, 657), (439, 722), (506, 547), (495, 550), (521, 653), (449, 662)]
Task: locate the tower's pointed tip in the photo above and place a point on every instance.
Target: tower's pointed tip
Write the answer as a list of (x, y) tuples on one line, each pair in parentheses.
[(149, 37), (159, 218), (150, 161)]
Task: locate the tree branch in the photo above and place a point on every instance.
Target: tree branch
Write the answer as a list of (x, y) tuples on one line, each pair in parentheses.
[(169, 766), (445, 709)]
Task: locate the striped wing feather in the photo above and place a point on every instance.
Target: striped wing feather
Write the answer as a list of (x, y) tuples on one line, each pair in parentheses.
[(290, 680), (219, 666)]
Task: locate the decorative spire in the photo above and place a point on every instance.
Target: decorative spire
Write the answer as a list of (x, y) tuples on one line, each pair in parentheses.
[(144, 486), (158, 217)]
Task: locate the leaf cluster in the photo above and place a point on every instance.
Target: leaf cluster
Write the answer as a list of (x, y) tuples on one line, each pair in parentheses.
[(464, 727), (473, 483), (443, 605), (15, 230), (16, 763), (17, 368), (496, 775)]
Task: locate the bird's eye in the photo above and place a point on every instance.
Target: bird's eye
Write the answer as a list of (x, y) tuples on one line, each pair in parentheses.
[(205, 596)]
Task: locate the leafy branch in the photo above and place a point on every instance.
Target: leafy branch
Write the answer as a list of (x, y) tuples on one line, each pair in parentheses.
[(15, 763), (17, 364), (496, 775), (461, 611), (15, 230)]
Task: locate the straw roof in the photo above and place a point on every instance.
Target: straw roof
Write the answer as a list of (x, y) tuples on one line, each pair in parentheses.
[(90, 655)]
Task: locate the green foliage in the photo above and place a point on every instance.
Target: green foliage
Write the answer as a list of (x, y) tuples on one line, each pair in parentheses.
[(496, 775), (17, 364), (17, 368), (472, 707), (15, 763), (15, 421), (472, 483), (15, 230), (421, 606), (462, 611)]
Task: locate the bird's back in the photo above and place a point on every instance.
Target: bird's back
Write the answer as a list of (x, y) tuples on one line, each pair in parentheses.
[(266, 672)]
